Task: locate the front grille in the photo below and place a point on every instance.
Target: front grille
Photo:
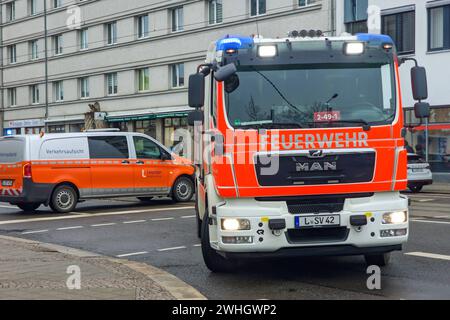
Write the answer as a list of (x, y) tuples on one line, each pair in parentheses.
[(330, 169), (296, 236)]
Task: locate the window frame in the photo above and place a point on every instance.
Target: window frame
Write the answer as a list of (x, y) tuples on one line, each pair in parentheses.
[(111, 33), (215, 19), (177, 20), (143, 33), (399, 30), (445, 26), (143, 72), (59, 91), (35, 94), (114, 82), (258, 12), (175, 76)]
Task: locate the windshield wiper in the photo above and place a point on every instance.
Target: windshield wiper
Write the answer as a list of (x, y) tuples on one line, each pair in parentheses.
[(365, 125), (277, 125)]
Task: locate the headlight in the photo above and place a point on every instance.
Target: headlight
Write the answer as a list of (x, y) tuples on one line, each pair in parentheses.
[(232, 224), (397, 217), (354, 48)]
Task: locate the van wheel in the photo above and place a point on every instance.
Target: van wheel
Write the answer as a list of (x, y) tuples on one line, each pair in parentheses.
[(380, 260), (183, 189), (29, 207), (415, 188), (64, 199), (214, 261)]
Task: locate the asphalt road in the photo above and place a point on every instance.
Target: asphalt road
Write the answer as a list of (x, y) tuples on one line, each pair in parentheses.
[(163, 234)]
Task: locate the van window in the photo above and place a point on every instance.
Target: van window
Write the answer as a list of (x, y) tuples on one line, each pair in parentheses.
[(146, 148), (67, 148), (11, 150), (115, 147)]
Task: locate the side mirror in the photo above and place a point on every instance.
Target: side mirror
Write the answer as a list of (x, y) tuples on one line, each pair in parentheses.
[(197, 90), (419, 83), (195, 117), (422, 110), (225, 72)]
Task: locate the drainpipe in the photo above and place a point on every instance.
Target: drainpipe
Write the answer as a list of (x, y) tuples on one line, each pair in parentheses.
[(46, 64), (2, 117)]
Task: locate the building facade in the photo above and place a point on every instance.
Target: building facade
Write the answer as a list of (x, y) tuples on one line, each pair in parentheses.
[(421, 30), (132, 57)]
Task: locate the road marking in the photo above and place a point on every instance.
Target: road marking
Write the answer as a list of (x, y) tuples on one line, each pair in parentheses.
[(163, 219), (103, 224), (188, 217), (93, 215), (136, 221), (8, 207), (172, 249), (425, 200), (69, 228), (36, 231), (441, 217), (430, 221), (197, 245), (429, 255), (131, 254)]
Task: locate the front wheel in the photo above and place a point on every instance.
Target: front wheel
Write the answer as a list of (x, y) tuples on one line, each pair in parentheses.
[(64, 199), (415, 188), (214, 261), (380, 260), (183, 189), (29, 207)]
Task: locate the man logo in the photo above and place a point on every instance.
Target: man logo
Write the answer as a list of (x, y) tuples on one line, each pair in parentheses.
[(316, 166), (316, 154)]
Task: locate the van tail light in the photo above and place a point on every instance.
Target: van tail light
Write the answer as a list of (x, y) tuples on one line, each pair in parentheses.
[(27, 172)]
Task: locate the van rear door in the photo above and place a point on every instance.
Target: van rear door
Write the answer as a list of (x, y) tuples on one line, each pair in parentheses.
[(12, 160)]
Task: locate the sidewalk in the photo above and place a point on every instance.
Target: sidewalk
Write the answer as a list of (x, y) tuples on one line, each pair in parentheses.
[(31, 270)]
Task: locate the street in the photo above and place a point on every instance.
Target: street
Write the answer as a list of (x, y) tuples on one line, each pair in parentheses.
[(162, 234)]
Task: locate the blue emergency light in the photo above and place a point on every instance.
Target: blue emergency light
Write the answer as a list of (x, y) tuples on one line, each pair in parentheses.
[(377, 39), (234, 43)]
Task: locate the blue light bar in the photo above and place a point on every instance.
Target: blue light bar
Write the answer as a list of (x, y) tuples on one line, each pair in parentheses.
[(234, 42), (374, 38)]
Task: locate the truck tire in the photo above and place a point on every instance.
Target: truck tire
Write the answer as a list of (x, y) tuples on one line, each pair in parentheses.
[(183, 190), (380, 260), (64, 199), (214, 261), (29, 207), (415, 188)]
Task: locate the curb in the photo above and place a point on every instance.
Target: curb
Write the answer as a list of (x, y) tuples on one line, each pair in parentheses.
[(179, 289)]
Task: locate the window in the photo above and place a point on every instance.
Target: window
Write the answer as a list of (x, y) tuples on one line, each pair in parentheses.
[(177, 19), (257, 7), (34, 94), (146, 148), (401, 28), (59, 91), (12, 53), (58, 44), (115, 147), (438, 28), (84, 87), (177, 75), (34, 49), (57, 3), (143, 79), (111, 33), (11, 11), (111, 84), (303, 3), (355, 16), (357, 27), (12, 97), (84, 41), (143, 26), (33, 7), (215, 11)]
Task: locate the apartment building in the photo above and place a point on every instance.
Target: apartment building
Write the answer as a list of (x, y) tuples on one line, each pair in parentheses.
[(421, 30), (132, 57)]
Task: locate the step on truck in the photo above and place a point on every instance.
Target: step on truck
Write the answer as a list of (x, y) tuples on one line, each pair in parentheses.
[(300, 148)]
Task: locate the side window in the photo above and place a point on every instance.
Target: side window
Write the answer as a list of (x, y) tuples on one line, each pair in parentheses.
[(108, 147), (146, 149)]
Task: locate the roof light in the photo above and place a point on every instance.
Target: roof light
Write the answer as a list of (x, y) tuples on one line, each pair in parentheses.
[(267, 51), (235, 43), (354, 48)]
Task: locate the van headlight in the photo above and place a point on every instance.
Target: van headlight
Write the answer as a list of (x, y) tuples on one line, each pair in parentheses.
[(397, 217), (233, 224)]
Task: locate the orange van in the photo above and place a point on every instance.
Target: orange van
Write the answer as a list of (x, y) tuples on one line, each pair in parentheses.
[(58, 170)]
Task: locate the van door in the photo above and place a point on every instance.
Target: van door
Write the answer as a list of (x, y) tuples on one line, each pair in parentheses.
[(12, 157), (151, 173), (111, 168)]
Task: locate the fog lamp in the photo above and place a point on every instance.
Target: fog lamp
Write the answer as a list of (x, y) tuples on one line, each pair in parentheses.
[(231, 224), (397, 217), (237, 240), (393, 233)]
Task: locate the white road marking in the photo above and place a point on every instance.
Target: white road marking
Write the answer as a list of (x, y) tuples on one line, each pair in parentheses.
[(9, 207), (188, 217), (197, 245), (136, 221), (425, 200), (36, 231), (163, 219), (69, 228), (103, 224), (430, 221), (441, 217), (92, 215), (429, 255), (171, 249), (131, 254)]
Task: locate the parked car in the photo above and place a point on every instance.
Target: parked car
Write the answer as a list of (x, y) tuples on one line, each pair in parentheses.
[(58, 170), (419, 173)]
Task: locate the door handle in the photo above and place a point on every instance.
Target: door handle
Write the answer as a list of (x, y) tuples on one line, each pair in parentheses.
[(125, 162), (140, 162)]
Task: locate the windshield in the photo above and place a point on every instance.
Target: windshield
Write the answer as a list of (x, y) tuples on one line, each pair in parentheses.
[(311, 96)]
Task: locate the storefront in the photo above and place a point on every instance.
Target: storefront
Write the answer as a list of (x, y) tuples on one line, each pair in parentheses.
[(66, 124), (29, 126), (437, 151)]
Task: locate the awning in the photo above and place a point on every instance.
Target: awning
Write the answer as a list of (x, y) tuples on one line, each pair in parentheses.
[(148, 114), (65, 119)]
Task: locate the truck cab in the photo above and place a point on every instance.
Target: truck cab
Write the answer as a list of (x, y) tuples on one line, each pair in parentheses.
[(302, 148)]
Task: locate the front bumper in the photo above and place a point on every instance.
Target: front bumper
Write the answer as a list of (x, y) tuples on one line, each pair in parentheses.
[(344, 240)]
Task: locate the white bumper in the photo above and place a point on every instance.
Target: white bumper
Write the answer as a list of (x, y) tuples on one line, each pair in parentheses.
[(264, 241)]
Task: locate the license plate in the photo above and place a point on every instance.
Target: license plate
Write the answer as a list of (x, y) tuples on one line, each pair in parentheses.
[(7, 183), (317, 221)]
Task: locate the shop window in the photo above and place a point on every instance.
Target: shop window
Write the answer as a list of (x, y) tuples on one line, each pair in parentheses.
[(57, 129)]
